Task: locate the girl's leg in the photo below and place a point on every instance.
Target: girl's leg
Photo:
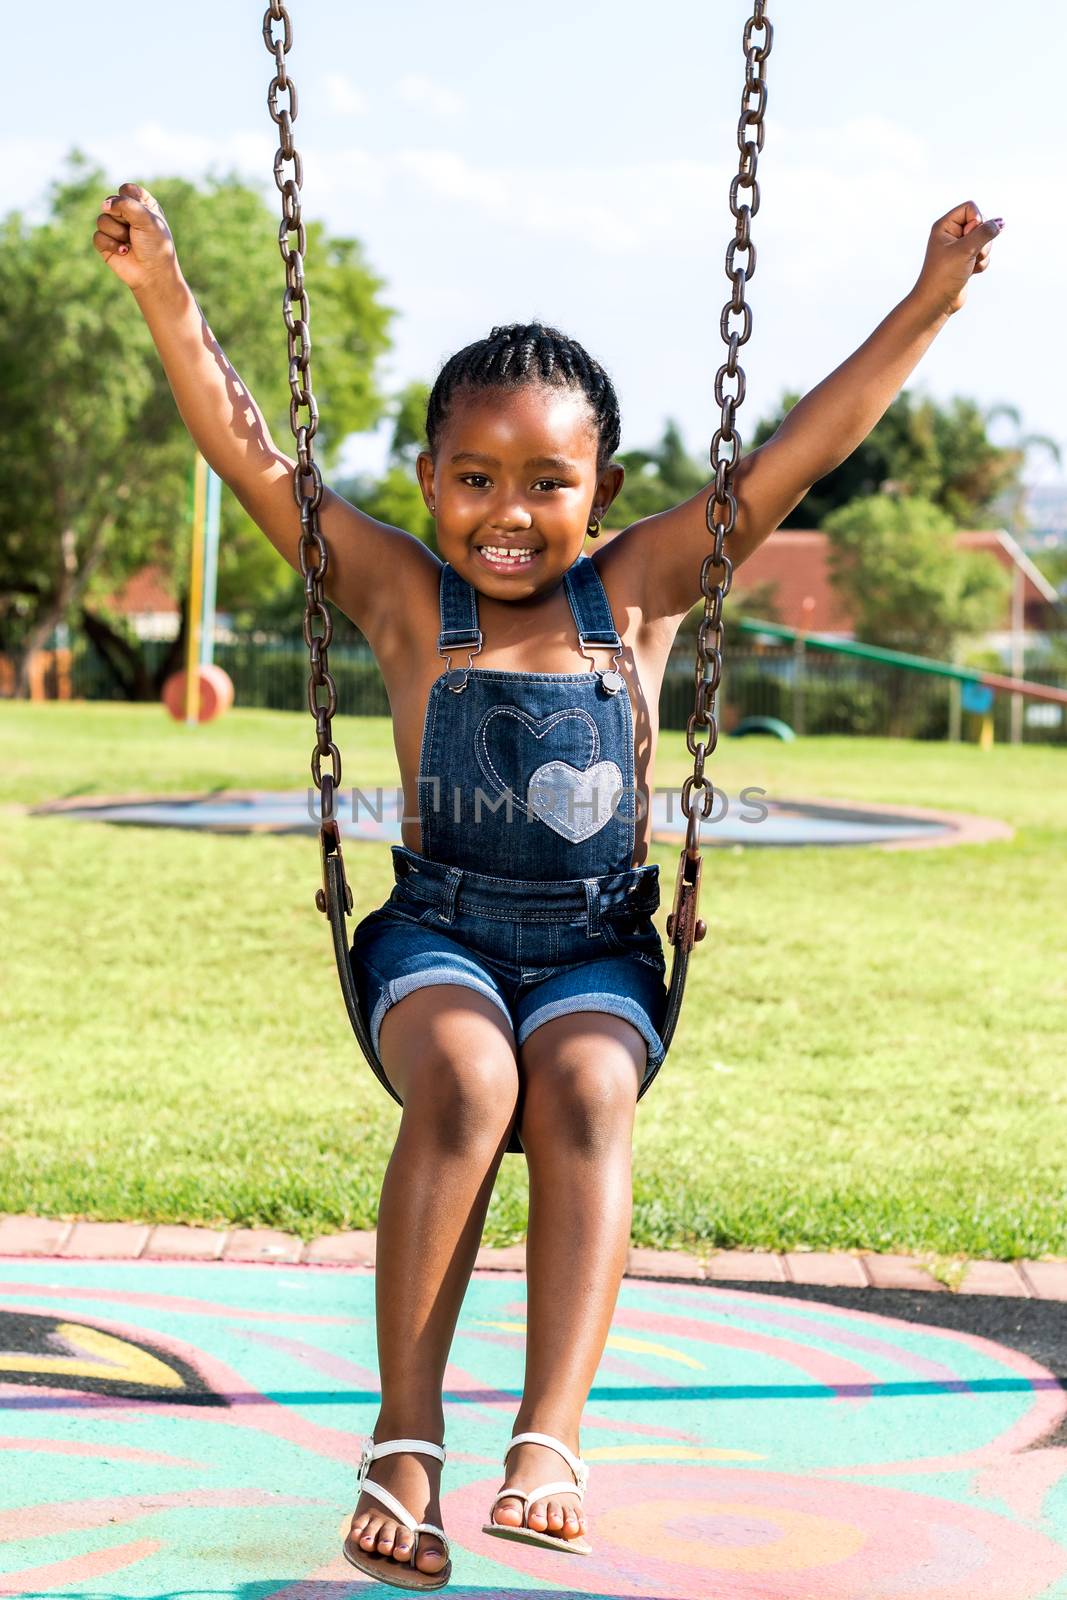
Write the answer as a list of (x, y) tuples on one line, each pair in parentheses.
[(581, 1073), (450, 1055)]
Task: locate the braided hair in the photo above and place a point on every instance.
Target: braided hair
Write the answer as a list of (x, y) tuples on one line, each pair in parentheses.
[(527, 352)]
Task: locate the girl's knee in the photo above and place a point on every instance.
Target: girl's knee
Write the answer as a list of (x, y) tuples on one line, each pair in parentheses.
[(457, 1104), (582, 1091), (458, 1076)]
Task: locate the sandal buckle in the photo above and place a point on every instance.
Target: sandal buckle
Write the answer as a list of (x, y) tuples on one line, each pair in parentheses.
[(365, 1458)]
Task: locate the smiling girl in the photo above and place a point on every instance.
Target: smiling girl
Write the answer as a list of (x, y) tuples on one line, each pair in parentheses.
[(514, 979)]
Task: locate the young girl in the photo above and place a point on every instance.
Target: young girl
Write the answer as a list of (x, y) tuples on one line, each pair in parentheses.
[(513, 980)]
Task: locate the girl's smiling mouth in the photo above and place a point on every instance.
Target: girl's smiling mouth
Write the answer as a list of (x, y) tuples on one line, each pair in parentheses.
[(506, 558)]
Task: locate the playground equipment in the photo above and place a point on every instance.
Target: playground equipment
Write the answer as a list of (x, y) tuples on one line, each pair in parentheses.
[(772, 725), (978, 685), (202, 691), (334, 898)]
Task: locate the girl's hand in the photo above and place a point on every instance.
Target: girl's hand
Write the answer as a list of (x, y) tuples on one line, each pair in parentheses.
[(959, 247), (133, 238)]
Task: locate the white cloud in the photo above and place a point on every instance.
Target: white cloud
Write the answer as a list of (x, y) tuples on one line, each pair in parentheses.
[(151, 150), (342, 96), (614, 209), (418, 90)]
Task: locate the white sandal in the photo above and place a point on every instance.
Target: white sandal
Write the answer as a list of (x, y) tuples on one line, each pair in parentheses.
[(526, 1534), (386, 1568)]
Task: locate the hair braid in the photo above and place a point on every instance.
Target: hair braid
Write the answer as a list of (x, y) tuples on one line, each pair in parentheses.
[(527, 352)]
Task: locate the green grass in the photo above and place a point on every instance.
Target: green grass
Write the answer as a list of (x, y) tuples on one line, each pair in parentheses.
[(871, 1053)]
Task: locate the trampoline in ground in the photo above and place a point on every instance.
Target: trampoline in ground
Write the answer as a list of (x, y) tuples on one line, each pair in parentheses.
[(376, 814), (179, 1428)]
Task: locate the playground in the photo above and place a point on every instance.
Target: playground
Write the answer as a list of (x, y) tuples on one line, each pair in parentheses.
[(922, 1049)]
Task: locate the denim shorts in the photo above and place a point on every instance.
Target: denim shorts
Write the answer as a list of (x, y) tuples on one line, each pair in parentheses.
[(537, 949)]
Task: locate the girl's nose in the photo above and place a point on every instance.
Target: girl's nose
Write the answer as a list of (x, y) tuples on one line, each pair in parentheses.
[(511, 518)]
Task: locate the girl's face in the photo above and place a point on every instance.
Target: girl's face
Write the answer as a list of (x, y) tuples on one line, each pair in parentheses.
[(513, 484)]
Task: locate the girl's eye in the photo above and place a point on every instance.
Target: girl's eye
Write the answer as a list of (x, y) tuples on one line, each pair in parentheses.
[(477, 480), (550, 483)]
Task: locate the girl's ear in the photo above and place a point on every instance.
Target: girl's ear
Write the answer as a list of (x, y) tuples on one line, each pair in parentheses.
[(424, 472), (608, 485)]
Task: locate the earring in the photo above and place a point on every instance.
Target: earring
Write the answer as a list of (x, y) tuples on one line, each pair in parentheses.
[(593, 529)]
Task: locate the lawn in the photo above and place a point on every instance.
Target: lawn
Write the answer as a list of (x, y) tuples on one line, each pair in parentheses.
[(871, 1053)]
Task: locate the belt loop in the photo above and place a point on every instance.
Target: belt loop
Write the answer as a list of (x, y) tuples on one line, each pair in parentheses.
[(592, 907), (448, 907)]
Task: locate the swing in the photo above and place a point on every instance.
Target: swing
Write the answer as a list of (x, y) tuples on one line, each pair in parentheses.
[(334, 898)]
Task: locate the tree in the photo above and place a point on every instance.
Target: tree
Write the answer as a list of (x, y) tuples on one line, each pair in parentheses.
[(656, 479), (396, 497), (942, 454), (94, 478), (893, 559)]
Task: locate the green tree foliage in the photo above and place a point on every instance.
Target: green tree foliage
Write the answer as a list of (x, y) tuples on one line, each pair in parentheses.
[(656, 479), (907, 586), (938, 453), (396, 497), (94, 480)]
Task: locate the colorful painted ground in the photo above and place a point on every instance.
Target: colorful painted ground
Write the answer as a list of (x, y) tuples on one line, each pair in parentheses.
[(192, 1430)]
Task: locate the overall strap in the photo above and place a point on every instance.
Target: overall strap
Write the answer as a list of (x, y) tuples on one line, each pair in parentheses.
[(590, 605), (459, 614)]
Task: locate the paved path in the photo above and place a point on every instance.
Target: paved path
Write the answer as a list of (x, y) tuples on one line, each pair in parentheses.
[(190, 1428), (33, 1236)]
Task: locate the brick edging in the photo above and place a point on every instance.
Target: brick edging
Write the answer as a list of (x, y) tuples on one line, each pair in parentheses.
[(69, 1240)]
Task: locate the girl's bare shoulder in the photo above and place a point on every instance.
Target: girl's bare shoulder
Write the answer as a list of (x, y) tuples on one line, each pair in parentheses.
[(622, 562), (390, 591)]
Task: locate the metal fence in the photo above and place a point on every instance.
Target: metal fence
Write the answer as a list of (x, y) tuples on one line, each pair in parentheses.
[(814, 693)]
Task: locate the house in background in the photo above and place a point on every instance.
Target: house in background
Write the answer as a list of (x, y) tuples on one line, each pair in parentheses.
[(146, 603), (793, 567)]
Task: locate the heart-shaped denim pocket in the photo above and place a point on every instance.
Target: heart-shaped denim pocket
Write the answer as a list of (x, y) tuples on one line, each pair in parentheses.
[(575, 804), (571, 792)]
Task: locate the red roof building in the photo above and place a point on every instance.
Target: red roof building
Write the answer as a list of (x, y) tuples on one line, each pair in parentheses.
[(145, 600), (792, 568)]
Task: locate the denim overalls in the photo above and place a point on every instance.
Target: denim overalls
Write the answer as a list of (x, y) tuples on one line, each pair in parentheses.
[(524, 889)]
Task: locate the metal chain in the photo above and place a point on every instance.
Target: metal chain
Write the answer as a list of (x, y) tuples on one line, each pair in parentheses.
[(701, 735), (307, 478)]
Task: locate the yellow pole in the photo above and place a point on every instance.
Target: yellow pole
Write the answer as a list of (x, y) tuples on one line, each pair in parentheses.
[(196, 592), (985, 737)]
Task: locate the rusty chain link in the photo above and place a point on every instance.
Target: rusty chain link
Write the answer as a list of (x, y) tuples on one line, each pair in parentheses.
[(307, 478), (701, 731)]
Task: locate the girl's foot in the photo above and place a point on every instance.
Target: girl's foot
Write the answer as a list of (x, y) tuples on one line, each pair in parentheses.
[(415, 1480), (527, 1466)]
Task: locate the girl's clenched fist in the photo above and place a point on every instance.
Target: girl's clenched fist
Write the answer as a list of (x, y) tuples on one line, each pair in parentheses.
[(958, 248), (133, 237)]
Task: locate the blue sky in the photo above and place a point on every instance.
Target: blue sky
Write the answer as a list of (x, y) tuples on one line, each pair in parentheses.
[(572, 162)]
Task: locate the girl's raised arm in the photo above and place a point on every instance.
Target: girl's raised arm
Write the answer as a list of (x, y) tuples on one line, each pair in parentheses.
[(370, 562), (821, 430)]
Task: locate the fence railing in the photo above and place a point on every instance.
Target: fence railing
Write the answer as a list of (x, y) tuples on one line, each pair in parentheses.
[(812, 692)]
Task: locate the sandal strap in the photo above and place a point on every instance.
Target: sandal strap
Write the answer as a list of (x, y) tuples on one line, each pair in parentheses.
[(391, 1503), (388, 1447), (576, 1464), (543, 1490), (431, 1527)]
